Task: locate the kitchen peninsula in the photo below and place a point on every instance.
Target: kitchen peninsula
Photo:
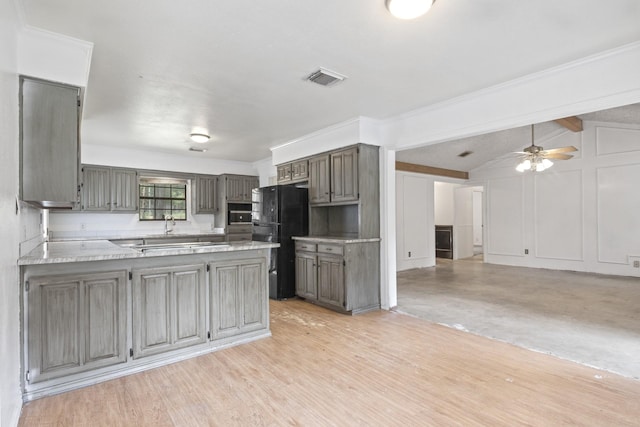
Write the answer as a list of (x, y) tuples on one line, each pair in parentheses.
[(94, 310)]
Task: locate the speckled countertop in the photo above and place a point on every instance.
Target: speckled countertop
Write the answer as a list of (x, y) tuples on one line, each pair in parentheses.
[(98, 250), (129, 236), (333, 239)]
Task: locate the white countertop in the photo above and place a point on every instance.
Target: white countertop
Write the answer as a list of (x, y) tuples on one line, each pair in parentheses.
[(334, 239), (99, 250), (130, 236)]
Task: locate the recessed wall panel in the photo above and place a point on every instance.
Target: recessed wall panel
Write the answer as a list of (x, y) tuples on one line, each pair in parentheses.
[(616, 140), (505, 210), (618, 213), (559, 215)]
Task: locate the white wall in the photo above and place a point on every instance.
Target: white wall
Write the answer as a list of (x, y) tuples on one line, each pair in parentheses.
[(10, 224), (415, 235), (580, 215), (443, 202), (462, 222)]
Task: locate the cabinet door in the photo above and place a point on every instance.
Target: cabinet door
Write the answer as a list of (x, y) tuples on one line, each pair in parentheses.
[(206, 194), (300, 170), (49, 144), (284, 173), (306, 285), (331, 280), (76, 323), (344, 176), (124, 190), (319, 180), (249, 183), (235, 188), (237, 297), (96, 191), (168, 309)]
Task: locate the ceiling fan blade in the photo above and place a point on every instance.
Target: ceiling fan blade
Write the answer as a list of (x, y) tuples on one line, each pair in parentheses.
[(557, 156), (568, 149)]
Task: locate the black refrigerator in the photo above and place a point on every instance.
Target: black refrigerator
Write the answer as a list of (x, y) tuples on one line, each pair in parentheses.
[(279, 212)]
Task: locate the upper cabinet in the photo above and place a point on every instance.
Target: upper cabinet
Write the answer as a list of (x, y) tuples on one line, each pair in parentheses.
[(49, 143), (206, 194), (333, 177), (297, 171), (237, 188), (109, 189)]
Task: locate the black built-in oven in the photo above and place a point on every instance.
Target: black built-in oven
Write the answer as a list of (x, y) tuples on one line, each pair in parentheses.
[(238, 213)]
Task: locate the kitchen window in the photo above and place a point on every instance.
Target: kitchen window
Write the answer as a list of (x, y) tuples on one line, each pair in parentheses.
[(158, 200)]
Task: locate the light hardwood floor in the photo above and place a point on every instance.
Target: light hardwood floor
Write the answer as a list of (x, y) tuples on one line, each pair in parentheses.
[(382, 368)]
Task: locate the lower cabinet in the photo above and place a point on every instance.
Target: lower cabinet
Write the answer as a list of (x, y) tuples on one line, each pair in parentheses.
[(344, 277), (76, 323), (168, 308), (238, 300)]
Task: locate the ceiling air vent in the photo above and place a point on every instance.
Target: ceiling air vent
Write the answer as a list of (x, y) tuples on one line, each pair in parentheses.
[(465, 153), (199, 150), (325, 77)]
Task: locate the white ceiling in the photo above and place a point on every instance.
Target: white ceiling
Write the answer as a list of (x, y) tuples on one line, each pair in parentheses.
[(497, 148), (234, 68)]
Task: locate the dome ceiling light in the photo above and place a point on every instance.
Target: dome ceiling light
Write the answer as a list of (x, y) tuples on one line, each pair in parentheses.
[(200, 138), (408, 9)]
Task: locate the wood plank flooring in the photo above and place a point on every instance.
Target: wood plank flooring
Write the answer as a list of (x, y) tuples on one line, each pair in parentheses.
[(376, 369)]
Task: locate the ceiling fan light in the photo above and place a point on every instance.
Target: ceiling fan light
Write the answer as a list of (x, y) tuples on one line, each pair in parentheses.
[(408, 9), (547, 163), (200, 138), (525, 165)]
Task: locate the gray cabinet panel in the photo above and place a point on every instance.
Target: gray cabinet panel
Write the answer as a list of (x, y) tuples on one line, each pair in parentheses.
[(49, 143), (76, 323), (96, 189), (331, 280), (344, 175), (168, 308), (206, 194), (319, 180), (238, 303), (124, 190), (284, 174), (306, 275)]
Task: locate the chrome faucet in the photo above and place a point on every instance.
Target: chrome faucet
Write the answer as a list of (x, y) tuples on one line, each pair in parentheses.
[(168, 229)]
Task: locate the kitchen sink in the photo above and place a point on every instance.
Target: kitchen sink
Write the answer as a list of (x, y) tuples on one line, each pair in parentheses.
[(169, 246)]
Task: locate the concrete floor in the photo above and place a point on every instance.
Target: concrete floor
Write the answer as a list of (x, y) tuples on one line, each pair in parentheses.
[(587, 318)]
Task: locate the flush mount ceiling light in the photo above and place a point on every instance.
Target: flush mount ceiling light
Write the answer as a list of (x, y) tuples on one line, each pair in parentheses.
[(408, 9), (200, 138)]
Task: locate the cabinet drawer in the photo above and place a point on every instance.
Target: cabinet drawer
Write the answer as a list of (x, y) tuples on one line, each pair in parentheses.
[(304, 246), (331, 249)]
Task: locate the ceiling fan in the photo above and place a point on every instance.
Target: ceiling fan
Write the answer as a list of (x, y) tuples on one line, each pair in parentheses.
[(537, 158)]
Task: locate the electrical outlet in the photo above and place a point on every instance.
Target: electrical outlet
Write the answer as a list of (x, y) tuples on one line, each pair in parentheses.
[(526, 251), (636, 264), (83, 226)]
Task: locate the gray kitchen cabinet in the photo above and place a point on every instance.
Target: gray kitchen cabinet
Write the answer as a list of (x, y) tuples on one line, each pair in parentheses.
[(168, 308), (297, 171), (344, 175), (76, 323), (124, 190), (284, 173), (206, 194), (238, 302), (331, 280), (306, 275), (344, 277), (107, 189), (319, 180), (238, 188), (49, 143), (96, 188)]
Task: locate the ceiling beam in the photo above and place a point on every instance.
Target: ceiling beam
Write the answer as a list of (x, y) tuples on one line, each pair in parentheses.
[(573, 123), (430, 170)]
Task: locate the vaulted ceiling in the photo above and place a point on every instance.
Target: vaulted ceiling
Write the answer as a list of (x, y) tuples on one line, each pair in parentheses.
[(235, 69)]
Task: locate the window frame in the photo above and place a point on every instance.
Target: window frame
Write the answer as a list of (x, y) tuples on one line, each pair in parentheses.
[(182, 186)]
